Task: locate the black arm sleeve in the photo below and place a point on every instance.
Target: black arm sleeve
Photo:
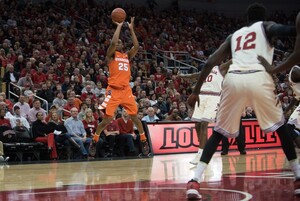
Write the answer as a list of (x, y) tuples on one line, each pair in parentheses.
[(280, 30)]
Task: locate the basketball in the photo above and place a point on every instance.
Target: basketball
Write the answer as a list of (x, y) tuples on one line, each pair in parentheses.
[(118, 15)]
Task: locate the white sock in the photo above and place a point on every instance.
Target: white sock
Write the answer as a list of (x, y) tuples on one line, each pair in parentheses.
[(199, 171), (200, 151), (294, 164)]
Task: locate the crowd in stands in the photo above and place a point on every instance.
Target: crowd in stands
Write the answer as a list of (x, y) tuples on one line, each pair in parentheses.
[(57, 52)]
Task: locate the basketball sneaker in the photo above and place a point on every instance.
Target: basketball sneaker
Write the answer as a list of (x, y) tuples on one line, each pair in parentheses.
[(196, 159), (297, 187), (4, 159), (192, 192), (92, 149), (93, 144), (145, 147), (144, 144)]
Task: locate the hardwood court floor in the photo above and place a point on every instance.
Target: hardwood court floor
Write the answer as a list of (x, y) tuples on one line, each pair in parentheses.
[(261, 175)]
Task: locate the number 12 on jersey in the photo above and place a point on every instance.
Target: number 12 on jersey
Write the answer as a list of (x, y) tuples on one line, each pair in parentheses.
[(246, 43)]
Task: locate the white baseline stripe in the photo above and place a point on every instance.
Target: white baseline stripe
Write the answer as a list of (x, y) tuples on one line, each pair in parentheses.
[(260, 176), (248, 196)]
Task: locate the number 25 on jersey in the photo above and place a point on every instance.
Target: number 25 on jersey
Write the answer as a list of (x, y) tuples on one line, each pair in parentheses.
[(123, 66)]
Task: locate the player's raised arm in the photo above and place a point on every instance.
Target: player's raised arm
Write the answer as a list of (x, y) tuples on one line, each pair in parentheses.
[(215, 59), (114, 41), (135, 41), (283, 30), (189, 76), (294, 58)]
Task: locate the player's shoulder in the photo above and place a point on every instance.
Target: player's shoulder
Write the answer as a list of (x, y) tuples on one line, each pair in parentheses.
[(268, 24)]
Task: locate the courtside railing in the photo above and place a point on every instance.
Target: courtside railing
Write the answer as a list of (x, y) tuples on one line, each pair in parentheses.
[(11, 92), (171, 62)]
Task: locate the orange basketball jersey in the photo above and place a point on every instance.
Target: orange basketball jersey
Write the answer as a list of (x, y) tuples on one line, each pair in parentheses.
[(119, 70)]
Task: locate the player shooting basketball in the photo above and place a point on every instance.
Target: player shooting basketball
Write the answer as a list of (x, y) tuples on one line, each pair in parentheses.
[(118, 91)]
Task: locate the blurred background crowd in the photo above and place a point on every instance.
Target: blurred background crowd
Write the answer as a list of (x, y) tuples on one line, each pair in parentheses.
[(55, 52)]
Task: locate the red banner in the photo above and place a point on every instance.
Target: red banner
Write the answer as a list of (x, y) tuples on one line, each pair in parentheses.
[(181, 137)]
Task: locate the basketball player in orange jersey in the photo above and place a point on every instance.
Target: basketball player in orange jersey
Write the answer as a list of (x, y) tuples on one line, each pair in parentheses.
[(118, 91), (246, 83)]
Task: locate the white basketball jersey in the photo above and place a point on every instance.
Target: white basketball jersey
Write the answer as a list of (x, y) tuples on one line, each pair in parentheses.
[(295, 86), (246, 44), (213, 82)]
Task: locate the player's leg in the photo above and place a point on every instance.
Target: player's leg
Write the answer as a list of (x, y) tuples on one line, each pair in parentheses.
[(208, 151), (231, 107), (201, 129), (295, 134), (110, 104), (203, 136), (240, 140), (203, 114), (225, 146), (105, 121), (289, 150), (129, 103), (293, 126), (93, 145), (232, 103), (144, 143), (270, 117), (131, 107), (110, 109), (139, 126)]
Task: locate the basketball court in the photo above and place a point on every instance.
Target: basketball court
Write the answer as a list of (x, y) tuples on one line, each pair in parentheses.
[(259, 175)]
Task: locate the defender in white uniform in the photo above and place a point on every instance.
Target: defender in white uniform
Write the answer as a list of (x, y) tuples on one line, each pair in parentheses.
[(210, 95), (246, 83), (205, 112), (295, 85), (293, 123)]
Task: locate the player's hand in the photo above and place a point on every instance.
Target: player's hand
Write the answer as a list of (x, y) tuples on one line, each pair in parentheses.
[(192, 99), (266, 64), (183, 76), (119, 23), (130, 25)]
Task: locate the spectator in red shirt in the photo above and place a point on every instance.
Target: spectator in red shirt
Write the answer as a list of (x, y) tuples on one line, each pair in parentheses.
[(39, 77), (110, 133), (160, 89), (69, 106), (28, 69), (88, 93), (77, 74), (127, 135), (3, 58), (3, 121), (89, 123), (8, 102), (159, 76), (102, 78), (60, 65)]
